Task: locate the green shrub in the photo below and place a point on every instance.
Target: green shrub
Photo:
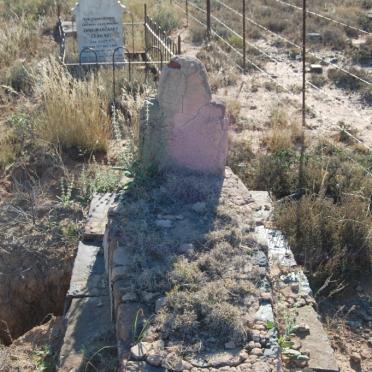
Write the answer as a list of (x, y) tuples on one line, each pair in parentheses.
[(236, 41), (333, 37), (20, 79), (198, 33), (334, 238), (167, 18), (318, 80), (363, 54)]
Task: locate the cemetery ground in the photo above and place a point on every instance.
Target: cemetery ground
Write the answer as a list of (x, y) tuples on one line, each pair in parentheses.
[(45, 186)]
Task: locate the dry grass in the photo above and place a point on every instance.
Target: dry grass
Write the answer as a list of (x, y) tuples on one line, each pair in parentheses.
[(18, 39), (284, 132), (74, 113), (233, 108), (335, 238)]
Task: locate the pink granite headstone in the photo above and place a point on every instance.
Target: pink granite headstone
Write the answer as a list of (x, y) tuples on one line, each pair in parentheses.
[(194, 125)]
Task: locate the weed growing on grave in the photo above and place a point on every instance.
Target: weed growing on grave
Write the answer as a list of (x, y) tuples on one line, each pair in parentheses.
[(140, 326)]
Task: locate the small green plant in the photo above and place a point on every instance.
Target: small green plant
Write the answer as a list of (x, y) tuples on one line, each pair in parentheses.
[(270, 325), (70, 231), (284, 343), (65, 198), (42, 359), (139, 326), (289, 325)]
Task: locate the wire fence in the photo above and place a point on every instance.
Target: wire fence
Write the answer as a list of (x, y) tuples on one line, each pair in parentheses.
[(204, 17)]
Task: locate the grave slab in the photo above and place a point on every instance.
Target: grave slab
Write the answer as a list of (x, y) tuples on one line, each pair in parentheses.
[(88, 274), (97, 217), (316, 342), (89, 324)]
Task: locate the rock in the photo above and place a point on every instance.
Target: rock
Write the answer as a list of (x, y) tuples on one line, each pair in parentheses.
[(139, 352), (154, 360), (149, 296), (251, 345), (244, 367), (243, 355), (257, 351), (199, 207), (365, 354), (300, 363), (300, 302), (259, 258), (256, 336), (370, 342), (223, 359), (186, 249), (165, 224), (265, 313), (356, 358), (261, 367), (259, 326), (119, 257), (174, 363), (160, 302), (119, 272), (301, 329), (230, 345), (158, 345), (266, 297), (296, 344), (295, 287), (129, 297), (252, 358)]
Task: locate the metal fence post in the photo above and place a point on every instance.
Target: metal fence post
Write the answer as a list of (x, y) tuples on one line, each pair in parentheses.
[(187, 13), (209, 19), (244, 39), (145, 23), (179, 44)]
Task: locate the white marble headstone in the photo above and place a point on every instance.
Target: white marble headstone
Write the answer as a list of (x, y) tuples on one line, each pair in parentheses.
[(99, 26)]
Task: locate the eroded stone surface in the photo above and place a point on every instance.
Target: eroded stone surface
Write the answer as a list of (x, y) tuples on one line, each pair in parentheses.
[(191, 129)]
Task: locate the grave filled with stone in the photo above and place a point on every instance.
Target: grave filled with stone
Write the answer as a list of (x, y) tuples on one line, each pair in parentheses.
[(190, 286)]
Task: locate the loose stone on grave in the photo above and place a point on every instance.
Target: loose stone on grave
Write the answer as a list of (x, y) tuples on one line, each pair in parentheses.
[(99, 25)]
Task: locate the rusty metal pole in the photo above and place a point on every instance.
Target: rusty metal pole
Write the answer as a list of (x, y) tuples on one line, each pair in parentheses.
[(187, 13), (208, 19), (244, 39), (301, 177), (145, 23), (304, 64)]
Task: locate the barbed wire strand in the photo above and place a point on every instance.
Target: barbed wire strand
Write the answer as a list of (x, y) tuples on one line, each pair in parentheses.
[(295, 45), (324, 17), (277, 83)]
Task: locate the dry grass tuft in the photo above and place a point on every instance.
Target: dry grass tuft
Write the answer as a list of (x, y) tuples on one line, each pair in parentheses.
[(285, 132), (74, 113)]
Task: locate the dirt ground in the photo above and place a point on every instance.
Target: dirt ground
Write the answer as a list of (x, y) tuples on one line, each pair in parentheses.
[(36, 350)]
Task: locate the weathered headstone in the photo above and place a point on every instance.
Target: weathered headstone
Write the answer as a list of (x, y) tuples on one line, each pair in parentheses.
[(99, 26), (186, 129)]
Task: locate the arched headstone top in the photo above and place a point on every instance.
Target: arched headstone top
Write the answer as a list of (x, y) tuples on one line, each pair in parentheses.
[(99, 25)]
